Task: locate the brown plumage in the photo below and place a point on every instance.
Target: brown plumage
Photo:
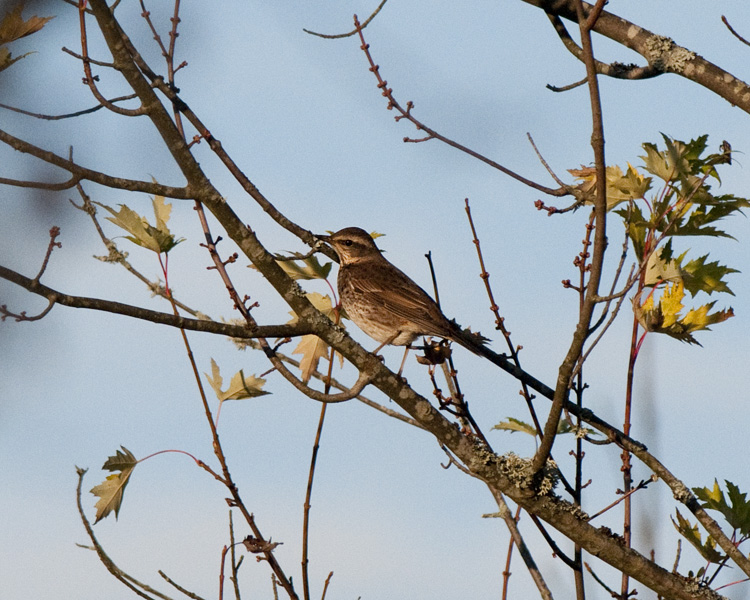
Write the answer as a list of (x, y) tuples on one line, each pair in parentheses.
[(383, 301)]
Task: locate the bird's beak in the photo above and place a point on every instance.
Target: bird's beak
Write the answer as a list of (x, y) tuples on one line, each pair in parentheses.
[(323, 238)]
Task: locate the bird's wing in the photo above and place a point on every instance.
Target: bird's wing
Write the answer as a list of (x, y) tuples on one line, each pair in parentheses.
[(402, 297)]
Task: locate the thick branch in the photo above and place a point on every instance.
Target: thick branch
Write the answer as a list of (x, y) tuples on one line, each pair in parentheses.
[(660, 52)]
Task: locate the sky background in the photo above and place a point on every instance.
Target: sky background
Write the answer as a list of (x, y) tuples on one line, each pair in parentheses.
[(304, 120)]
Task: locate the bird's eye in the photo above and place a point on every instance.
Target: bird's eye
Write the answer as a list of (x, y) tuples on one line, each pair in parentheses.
[(348, 242)]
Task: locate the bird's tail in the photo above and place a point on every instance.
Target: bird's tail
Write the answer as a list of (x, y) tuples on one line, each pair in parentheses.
[(472, 341)]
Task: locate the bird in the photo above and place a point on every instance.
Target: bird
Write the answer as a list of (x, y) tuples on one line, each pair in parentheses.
[(386, 303)]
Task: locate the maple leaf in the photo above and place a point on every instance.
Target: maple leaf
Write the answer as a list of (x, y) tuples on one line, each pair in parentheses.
[(736, 511), (672, 163), (691, 534), (13, 27), (662, 267), (311, 346), (564, 426), (620, 188), (240, 386), (156, 238), (305, 267), (312, 349), (666, 317), (111, 490)]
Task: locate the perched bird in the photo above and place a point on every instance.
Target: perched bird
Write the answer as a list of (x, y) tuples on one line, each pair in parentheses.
[(383, 301)]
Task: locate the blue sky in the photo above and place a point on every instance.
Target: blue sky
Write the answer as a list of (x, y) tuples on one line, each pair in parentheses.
[(303, 118)]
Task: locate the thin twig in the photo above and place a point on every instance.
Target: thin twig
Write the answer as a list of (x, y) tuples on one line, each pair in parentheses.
[(641, 486), (325, 586), (405, 113), (145, 314), (353, 31), (615, 70), (140, 589), (611, 592), (733, 32), (310, 479), (178, 587), (600, 244), (89, 78), (515, 534), (233, 557), (72, 115)]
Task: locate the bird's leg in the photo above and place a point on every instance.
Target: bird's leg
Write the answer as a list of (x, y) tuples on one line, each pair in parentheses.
[(403, 360), (387, 342)]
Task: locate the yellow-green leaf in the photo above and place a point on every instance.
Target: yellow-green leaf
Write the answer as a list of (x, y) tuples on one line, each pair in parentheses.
[(667, 316), (563, 426), (322, 303), (162, 210), (240, 387), (690, 532), (305, 268), (671, 303), (620, 188), (312, 349), (660, 270), (6, 59), (155, 238), (111, 490)]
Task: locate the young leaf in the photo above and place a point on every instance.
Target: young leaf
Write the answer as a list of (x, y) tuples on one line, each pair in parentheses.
[(620, 188), (512, 425), (7, 59), (240, 387), (156, 238), (662, 268), (111, 490), (305, 268), (563, 426), (666, 317), (312, 347), (691, 534), (737, 514)]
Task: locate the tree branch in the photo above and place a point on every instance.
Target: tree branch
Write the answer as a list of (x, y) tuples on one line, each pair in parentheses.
[(215, 327), (660, 51), (80, 173)]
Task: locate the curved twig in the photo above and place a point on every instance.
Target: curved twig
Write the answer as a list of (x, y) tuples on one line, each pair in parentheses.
[(616, 70), (72, 115), (138, 588), (353, 31), (405, 113)]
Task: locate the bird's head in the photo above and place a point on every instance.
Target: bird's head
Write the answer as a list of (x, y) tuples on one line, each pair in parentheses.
[(352, 245)]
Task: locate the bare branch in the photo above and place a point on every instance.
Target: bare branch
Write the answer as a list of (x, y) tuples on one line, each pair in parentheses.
[(228, 329), (405, 113), (733, 32), (661, 52), (72, 115), (80, 173), (353, 31)]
